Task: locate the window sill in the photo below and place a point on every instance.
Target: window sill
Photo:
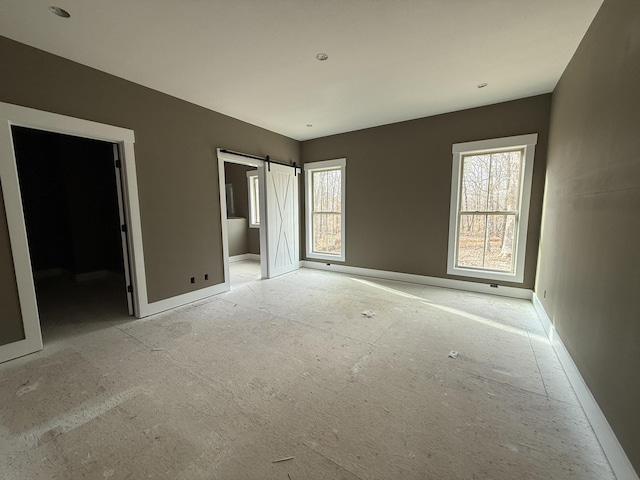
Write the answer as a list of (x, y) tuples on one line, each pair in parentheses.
[(325, 256), (486, 275)]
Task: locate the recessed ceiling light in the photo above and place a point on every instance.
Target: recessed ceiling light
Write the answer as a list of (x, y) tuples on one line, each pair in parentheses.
[(482, 85), (61, 12), (322, 56)]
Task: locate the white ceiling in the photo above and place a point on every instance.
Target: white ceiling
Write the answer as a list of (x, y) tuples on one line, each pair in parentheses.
[(389, 60)]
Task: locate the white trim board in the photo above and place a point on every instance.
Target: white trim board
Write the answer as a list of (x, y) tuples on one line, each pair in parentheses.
[(616, 455), (243, 257), (197, 295), (53, 122), (186, 298), (502, 291), (238, 159), (15, 115)]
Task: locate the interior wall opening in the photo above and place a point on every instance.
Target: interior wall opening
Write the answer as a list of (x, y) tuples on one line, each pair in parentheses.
[(71, 206), (277, 204), (243, 222)]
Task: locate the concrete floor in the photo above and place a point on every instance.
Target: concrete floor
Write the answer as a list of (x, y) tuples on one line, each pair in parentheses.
[(290, 367)]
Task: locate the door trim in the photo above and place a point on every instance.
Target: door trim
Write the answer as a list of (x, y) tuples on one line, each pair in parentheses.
[(122, 216), (15, 115), (251, 162)]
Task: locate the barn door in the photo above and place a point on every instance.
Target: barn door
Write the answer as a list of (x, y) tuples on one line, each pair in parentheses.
[(281, 210)]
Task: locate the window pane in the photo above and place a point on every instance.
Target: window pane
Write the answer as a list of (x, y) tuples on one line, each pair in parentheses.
[(486, 241), (327, 189), (491, 182), (500, 235), (475, 183), (327, 233), (255, 196), (504, 181), (471, 241)]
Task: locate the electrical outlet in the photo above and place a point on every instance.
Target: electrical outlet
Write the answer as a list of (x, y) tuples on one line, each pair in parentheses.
[(206, 276), (193, 279)]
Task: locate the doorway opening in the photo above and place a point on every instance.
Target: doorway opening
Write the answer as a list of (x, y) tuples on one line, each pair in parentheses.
[(73, 210), (244, 272), (243, 215), (18, 282), (242, 218), (275, 206)]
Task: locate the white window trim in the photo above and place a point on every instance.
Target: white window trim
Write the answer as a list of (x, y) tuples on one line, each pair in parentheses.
[(526, 142), (251, 174), (315, 167)]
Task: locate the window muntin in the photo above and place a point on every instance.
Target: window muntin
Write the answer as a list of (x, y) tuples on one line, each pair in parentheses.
[(490, 190), (325, 182)]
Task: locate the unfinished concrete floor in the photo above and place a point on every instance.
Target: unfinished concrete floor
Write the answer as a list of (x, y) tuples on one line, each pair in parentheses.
[(290, 367)]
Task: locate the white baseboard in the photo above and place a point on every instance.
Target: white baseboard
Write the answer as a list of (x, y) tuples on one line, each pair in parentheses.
[(244, 256), (184, 299), (197, 295), (613, 450), (512, 292)]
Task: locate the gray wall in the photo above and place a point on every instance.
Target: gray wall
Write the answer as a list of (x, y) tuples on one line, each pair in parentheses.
[(589, 251), (176, 160), (399, 184), (254, 241), (238, 228), (237, 235), (236, 175)]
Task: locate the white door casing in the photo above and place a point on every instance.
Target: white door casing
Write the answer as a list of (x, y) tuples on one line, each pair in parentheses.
[(32, 341), (281, 212), (15, 115), (238, 159), (123, 230)]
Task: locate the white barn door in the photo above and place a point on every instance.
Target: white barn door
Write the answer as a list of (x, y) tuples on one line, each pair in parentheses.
[(281, 211)]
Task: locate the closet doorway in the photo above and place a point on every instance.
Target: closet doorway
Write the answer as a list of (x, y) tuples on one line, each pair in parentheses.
[(73, 210)]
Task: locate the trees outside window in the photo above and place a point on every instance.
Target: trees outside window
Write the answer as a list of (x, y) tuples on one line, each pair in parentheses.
[(325, 196), (491, 185), (489, 203)]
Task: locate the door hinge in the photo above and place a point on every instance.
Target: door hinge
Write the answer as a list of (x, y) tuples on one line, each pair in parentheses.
[(123, 227), (118, 164), (129, 289)]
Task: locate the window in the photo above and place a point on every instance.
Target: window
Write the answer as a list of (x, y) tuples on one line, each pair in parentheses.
[(254, 205), (490, 191), (325, 194)]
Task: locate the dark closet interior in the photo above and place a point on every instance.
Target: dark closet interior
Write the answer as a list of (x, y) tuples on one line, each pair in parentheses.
[(70, 202)]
